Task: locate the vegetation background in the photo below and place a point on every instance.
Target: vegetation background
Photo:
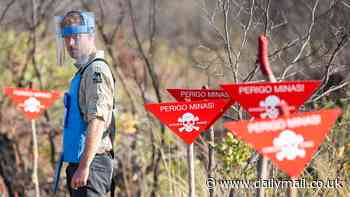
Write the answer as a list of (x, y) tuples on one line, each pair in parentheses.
[(157, 44)]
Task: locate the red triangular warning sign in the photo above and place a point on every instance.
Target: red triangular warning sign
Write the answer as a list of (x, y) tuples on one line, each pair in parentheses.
[(31, 102), (188, 119), (289, 141), (198, 94), (261, 100)]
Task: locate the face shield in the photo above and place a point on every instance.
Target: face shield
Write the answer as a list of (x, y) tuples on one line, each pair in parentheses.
[(74, 39)]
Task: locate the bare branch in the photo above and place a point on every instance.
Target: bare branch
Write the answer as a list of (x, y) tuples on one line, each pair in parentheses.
[(340, 46), (228, 47), (252, 73), (119, 23), (308, 33), (7, 7), (330, 90), (267, 16), (284, 22), (244, 39), (346, 4), (210, 18), (301, 70), (154, 78), (152, 24)]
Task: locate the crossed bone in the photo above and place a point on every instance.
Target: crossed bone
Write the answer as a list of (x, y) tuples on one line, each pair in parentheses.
[(184, 128)]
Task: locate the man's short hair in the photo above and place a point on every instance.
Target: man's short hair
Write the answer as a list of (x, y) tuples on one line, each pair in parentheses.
[(72, 18)]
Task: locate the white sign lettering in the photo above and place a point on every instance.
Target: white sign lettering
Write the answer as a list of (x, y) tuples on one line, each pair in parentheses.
[(267, 89), (197, 106), (31, 94), (218, 95), (274, 88), (281, 124), (185, 107), (289, 88), (172, 108), (191, 94), (204, 94)]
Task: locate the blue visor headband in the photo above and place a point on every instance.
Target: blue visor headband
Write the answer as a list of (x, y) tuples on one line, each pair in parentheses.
[(88, 25)]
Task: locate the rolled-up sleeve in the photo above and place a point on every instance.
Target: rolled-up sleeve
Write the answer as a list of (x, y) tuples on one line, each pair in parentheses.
[(98, 91)]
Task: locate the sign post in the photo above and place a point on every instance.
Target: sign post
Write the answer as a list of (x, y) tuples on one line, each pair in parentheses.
[(35, 159), (191, 181), (32, 103)]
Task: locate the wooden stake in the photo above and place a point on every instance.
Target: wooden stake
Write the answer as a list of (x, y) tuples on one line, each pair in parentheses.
[(262, 174), (35, 161), (191, 182), (292, 191), (211, 156)]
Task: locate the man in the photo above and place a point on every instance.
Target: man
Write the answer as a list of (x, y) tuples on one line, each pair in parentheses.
[(88, 110)]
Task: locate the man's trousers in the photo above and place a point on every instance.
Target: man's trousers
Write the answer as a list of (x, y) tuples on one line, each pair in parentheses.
[(99, 180)]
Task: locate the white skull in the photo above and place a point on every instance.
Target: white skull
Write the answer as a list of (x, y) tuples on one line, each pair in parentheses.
[(188, 122), (270, 104), (32, 105)]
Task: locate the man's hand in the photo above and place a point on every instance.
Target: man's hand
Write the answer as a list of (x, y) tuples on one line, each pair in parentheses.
[(93, 138), (80, 178)]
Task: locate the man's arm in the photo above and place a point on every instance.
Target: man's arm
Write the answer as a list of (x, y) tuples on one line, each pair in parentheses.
[(93, 138)]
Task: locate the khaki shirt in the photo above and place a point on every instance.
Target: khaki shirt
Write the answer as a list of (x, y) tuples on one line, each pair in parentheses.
[(96, 95)]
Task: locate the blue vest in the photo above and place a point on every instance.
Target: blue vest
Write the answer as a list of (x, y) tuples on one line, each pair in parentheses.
[(74, 133)]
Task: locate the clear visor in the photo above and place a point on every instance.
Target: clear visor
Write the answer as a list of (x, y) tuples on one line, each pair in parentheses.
[(73, 41), (60, 47)]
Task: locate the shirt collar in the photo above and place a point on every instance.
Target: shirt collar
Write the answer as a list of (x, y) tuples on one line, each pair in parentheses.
[(91, 58)]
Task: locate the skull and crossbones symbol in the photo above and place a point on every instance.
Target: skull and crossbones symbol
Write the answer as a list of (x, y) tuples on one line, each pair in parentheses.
[(32, 105), (270, 105), (188, 122), (289, 145)]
